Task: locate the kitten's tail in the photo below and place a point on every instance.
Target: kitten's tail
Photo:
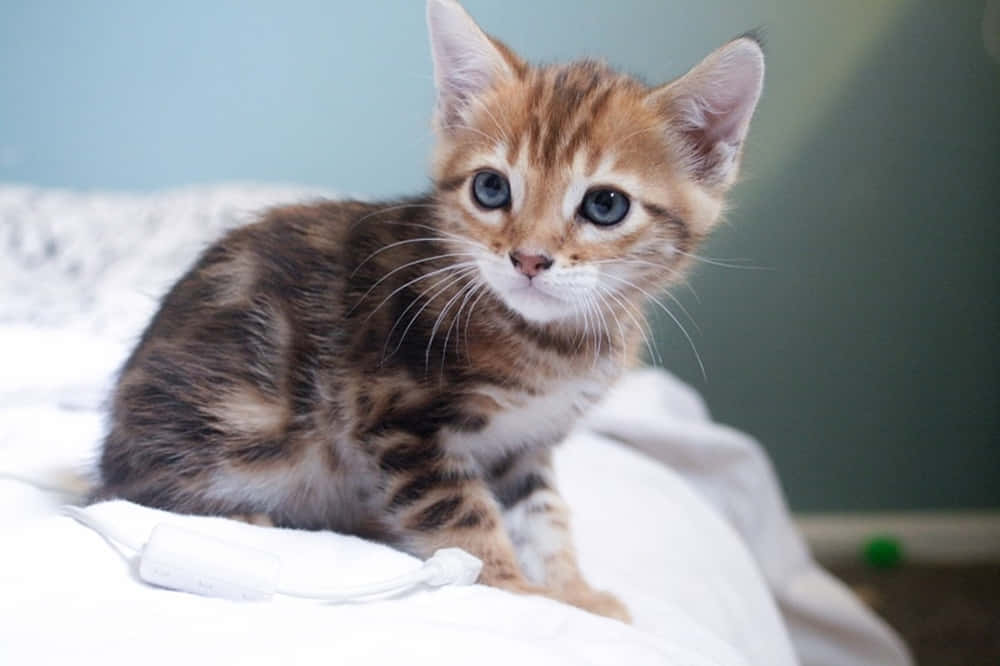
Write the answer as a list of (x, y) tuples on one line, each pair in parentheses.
[(68, 483)]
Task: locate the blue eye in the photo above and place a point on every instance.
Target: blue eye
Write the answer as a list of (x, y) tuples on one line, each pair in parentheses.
[(604, 207), (491, 190)]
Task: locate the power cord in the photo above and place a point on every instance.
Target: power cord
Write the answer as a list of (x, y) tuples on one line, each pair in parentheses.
[(185, 560)]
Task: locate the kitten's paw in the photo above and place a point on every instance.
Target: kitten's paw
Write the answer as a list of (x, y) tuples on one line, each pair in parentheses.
[(580, 595), (599, 603)]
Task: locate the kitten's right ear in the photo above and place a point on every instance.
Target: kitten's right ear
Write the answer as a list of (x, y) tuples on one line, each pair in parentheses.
[(466, 60), (708, 110)]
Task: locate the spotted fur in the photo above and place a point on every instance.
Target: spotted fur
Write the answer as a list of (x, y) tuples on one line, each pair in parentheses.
[(384, 370)]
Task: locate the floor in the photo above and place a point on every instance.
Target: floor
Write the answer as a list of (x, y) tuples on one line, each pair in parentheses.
[(949, 615)]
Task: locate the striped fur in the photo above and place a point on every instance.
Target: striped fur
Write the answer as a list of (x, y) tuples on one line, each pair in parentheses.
[(383, 370)]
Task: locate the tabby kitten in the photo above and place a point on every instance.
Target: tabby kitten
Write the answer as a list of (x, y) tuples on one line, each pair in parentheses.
[(401, 371)]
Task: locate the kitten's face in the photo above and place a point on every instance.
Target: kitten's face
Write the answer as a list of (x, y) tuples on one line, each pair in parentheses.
[(566, 166), (569, 188)]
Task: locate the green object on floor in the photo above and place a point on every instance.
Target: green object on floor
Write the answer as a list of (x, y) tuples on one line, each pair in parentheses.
[(883, 552)]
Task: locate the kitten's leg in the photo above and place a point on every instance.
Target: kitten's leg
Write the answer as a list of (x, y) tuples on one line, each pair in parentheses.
[(436, 504), (537, 520), (466, 518)]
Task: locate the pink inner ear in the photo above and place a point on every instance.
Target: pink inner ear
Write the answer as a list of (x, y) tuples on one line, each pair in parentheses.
[(713, 105), (465, 61), (731, 110), (729, 96)]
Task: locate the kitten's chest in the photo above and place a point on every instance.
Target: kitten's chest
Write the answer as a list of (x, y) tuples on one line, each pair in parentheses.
[(520, 420)]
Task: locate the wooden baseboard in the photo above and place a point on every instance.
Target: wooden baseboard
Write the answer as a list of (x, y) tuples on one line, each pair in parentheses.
[(932, 537)]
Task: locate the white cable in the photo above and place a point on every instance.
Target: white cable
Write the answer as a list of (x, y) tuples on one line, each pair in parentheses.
[(102, 528), (185, 560), (447, 566), (406, 581)]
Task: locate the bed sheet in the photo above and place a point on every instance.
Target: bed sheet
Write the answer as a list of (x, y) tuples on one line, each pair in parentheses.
[(680, 516), (695, 592)]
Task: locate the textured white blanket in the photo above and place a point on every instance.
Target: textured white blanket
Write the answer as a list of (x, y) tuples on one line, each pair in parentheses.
[(702, 549)]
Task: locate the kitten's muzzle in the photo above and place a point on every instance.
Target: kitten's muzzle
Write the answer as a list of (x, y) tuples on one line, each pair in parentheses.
[(531, 264)]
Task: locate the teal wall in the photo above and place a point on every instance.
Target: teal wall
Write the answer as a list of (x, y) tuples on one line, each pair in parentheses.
[(864, 354)]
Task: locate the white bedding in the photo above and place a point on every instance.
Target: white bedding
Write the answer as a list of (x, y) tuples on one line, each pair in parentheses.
[(702, 551)]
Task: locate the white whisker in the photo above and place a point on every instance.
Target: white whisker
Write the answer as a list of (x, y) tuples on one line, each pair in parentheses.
[(408, 241), (390, 208), (625, 138), (640, 323), (413, 319), (470, 129), (468, 320), (668, 268), (437, 323), (462, 264), (621, 330), (500, 129), (474, 285), (595, 329), (724, 263), (404, 266), (428, 227), (598, 323), (586, 322), (670, 314)]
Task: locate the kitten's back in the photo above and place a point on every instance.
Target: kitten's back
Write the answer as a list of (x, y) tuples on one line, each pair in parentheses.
[(222, 389)]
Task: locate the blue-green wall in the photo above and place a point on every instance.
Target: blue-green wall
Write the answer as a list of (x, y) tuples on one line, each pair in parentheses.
[(865, 357)]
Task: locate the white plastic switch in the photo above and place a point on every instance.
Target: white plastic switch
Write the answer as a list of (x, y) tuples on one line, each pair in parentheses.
[(183, 560)]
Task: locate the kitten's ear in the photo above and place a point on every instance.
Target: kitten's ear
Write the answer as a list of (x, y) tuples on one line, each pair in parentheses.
[(466, 60), (708, 110)]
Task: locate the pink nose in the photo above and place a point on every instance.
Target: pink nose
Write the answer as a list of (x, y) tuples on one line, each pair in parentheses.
[(530, 264)]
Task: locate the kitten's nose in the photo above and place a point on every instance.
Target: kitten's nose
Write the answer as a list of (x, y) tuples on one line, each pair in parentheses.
[(530, 264)]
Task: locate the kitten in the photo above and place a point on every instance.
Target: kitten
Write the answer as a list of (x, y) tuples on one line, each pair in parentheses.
[(400, 371)]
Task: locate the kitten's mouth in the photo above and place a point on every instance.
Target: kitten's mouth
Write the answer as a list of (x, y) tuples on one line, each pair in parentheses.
[(534, 290), (536, 304), (529, 298)]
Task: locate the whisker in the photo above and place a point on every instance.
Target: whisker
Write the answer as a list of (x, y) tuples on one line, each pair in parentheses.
[(672, 297), (666, 267), (500, 129), (468, 320), (399, 319), (404, 266), (577, 316), (586, 324), (470, 289), (404, 242), (430, 299), (614, 315), (597, 329), (418, 225), (470, 129), (724, 263), (629, 136), (437, 323), (697, 328), (671, 315), (462, 264), (602, 330), (640, 323), (598, 321), (390, 208)]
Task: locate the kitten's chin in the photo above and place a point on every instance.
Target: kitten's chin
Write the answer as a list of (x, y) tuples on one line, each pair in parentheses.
[(534, 304)]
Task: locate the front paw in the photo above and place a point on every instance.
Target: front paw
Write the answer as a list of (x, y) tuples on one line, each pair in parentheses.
[(598, 602)]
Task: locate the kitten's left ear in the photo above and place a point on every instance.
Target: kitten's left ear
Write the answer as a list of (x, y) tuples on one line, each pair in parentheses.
[(708, 110), (466, 61)]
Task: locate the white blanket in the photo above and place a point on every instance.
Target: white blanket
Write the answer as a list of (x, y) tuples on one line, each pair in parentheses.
[(702, 550)]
